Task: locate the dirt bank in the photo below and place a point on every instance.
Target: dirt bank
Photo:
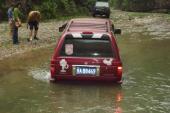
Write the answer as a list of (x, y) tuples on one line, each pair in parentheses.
[(157, 25), (48, 34)]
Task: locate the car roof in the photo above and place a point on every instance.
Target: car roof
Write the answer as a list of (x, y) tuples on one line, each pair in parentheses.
[(89, 25)]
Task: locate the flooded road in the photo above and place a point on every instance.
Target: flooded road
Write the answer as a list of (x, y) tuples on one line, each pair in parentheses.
[(24, 86)]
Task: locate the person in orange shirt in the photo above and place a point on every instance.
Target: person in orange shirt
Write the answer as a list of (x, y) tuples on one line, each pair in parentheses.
[(33, 24)]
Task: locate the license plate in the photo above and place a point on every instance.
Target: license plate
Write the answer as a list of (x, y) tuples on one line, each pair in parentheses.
[(86, 70)]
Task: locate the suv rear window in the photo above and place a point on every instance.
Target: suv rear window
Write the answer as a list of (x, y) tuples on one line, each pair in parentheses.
[(102, 4), (87, 47)]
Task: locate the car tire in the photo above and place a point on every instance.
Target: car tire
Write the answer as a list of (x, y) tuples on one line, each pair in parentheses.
[(52, 80), (107, 16), (119, 82)]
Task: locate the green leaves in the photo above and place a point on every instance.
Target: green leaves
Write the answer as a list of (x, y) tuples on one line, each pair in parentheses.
[(54, 8), (49, 9)]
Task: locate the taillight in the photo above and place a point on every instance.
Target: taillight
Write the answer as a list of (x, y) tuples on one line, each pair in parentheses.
[(52, 68), (119, 68), (87, 33), (52, 62), (119, 71)]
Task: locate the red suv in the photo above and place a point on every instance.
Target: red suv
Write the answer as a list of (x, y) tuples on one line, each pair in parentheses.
[(87, 50)]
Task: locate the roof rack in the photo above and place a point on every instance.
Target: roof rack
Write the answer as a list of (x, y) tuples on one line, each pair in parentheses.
[(88, 25)]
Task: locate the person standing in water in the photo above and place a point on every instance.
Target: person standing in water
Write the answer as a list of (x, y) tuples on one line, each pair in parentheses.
[(33, 24)]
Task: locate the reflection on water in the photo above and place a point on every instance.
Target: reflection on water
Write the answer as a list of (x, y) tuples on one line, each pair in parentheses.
[(78, 97)]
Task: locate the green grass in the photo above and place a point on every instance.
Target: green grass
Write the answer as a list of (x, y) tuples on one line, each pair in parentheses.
[(167, 16)]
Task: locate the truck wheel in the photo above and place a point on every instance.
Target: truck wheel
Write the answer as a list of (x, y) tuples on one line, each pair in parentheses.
[(107, 16), (52, 80)]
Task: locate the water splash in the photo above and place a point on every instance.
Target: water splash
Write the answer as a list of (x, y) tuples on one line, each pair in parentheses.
[(40, 74)]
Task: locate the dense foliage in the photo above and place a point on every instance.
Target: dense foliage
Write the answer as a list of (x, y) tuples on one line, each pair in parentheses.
[(1, 8), (51, 8), (142, 5), (55, 8), (62, 8)]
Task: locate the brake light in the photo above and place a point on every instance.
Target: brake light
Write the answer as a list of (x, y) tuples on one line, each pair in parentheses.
[(119, 68), (52, 68), (119, 71), (52, 62), (87, 32)]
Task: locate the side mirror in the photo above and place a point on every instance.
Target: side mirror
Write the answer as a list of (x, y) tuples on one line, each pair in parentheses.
[(117, 31), (61, 29)]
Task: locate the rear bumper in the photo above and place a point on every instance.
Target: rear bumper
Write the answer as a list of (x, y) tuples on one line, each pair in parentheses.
[(96, 78), (101, 13)]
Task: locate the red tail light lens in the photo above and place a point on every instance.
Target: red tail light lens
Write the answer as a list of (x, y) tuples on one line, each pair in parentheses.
[(88, 33), (119, 70), (52, 62), (52, 68)]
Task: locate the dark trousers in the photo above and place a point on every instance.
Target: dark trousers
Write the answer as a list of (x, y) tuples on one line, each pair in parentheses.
[(15, 35)]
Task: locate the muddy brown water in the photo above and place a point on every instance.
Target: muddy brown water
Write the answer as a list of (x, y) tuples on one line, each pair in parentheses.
[(24, 86)]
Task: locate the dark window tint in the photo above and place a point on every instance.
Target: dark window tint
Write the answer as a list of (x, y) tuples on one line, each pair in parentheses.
[(87, 47)]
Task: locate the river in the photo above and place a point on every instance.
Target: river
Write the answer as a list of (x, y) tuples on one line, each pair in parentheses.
[(25, 86)]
